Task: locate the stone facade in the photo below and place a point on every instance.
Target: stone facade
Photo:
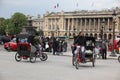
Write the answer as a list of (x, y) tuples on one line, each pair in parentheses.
[(34, 24), (71, 23), (38, 22), (90, 22)]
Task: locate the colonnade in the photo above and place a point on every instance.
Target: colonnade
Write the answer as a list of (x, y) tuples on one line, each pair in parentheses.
[(90, 26)]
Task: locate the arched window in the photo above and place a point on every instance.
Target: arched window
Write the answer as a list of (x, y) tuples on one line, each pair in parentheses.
[(86, 34), (109, 36), (91, 35), (105, 36), (95, 36)]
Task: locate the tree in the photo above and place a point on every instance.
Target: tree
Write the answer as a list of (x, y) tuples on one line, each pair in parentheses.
[(2, 25), (19, 20), (14, 24)]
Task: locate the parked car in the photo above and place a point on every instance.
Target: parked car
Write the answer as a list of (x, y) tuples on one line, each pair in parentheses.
[(12, 45), (5, 39)]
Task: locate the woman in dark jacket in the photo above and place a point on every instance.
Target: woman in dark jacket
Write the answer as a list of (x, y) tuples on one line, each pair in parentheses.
[(54, 46)]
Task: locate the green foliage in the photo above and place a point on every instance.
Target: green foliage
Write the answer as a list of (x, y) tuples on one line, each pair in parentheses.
[(9, 25), (2, 25), (19, 20)]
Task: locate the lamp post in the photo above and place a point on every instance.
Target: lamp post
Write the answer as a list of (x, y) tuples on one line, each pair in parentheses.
[(101, 31), (114, 17), (39, 23), (74, 32), (16, 25), (57, 31)]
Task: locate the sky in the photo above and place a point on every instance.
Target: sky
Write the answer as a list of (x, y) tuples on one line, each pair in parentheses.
[(35, 7)]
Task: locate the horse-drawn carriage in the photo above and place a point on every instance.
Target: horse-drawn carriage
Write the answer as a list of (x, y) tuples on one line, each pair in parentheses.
[(26, 50), (89, 53)]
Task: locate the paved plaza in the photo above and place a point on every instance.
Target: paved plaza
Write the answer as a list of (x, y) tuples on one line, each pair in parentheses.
[(56, 68)]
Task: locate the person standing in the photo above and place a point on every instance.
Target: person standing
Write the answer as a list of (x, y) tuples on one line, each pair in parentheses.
[(65, 46), (54, 45), (104, 50), (60, 48)]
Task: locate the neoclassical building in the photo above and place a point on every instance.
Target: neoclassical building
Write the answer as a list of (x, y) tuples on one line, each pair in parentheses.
[(92, 23), (35, 23)]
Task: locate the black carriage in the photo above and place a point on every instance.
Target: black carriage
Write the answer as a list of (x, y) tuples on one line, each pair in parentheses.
[(89, 53)]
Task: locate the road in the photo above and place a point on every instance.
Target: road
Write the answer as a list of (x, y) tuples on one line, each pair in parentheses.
[(56, 68)]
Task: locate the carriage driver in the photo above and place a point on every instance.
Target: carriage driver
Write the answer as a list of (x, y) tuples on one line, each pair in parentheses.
[(37, 42), (81, 41)]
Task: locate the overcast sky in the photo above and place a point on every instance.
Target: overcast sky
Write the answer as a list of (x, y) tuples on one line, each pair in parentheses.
[(35, 7)]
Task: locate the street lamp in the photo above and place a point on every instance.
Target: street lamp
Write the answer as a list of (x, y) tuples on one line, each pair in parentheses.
[(39, 20), (74, 32), (16, 25), (114, 18), (101, 31), (57, 31)]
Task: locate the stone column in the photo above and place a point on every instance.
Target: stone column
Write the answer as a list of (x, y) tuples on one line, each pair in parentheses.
[(51, 24), (56, 22), (81, 21), (72, 24), (89, 25), (98, 24), (85, 25), (94, 24), (117, 24), (77, 24), (68, 24), (108, 27), (78, 28), (64, 24)]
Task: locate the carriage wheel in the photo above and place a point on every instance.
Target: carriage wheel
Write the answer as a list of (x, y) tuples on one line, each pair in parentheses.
[(77, 62), (93, 63), (18, 57), (93, 60), (32, 58), (43, 57), (119, 58), (8, 49), (73, 61)]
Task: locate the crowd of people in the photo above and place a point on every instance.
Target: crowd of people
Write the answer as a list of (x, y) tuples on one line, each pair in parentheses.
[(54, 45), (57, 45)]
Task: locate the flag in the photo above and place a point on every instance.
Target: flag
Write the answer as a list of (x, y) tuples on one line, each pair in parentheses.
[(56, 6)]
